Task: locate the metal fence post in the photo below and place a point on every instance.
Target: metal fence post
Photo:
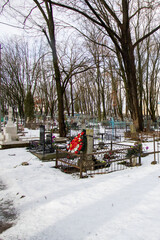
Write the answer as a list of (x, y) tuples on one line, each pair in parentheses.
[(140, 150), (140, 159), (111, 145), (154, 147), (56, 157), (81, 164)]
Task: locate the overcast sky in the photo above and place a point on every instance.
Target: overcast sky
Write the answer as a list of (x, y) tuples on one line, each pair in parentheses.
[(8, 24), (7, 28)]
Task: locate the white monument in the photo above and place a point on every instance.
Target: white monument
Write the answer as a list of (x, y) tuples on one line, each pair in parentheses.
[(10, 130)]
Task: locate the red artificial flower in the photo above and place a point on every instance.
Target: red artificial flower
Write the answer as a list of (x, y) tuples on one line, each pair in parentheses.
[(77, 142)]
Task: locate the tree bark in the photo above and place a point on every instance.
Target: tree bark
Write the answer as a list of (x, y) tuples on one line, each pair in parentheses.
[(52, 42)]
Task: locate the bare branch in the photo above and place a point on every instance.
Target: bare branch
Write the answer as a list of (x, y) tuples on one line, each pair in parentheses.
[(138, 11), (76, 10), (100, 22), (30, 12), (111, 12), (3, 6), (41, 10), (10, 25), (145, 36)]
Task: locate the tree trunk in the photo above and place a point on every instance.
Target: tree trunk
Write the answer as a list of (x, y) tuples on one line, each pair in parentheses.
[(72, 101), (130, 70), (136, 114), (66, 104), (60, 90)]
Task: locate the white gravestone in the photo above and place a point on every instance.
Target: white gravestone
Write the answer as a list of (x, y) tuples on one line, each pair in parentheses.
[(10, 130)]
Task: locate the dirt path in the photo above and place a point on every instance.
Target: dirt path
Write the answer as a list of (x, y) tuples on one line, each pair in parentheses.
[(7, 212)]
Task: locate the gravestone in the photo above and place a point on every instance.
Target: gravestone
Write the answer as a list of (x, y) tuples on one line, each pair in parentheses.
[(88, 162), (132, 128), (10, 130), (42, 137), (83, 126), (89, 134), (133, 133)]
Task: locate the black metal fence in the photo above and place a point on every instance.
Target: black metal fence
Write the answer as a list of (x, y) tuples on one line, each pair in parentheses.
[(45, 144)]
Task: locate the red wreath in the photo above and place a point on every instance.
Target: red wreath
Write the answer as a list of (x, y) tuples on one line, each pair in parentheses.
[(78, 143)]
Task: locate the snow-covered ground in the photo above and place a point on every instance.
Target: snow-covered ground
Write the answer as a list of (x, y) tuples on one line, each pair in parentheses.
[(52, 205)]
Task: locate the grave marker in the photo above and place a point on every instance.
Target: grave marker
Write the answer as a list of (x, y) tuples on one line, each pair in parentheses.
[(88, 162), (42, 136), (132, 128)]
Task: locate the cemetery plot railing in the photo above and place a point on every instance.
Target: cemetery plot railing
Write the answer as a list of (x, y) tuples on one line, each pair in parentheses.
[(111, 145), (111, 161), (99, 162), (67, 161), (42, 147)]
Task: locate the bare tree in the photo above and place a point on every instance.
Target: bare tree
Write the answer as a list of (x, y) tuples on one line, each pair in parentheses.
[(20, 72), (115, 19)]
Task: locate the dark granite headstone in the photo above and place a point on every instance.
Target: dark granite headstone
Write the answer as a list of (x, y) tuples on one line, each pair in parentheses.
[(42, 136)]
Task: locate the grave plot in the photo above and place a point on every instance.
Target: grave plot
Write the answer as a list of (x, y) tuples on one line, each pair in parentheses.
[(98, 162), (46, 144), (84, 159), (105, 158)]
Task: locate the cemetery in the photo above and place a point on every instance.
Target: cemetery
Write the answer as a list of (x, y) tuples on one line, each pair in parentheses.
[(79, 120), (90, 147), (105, 158), (100, 148)]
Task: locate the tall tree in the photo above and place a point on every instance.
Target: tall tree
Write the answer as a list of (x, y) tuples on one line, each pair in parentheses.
[(115, 19), (20, 72), (47, 14), (29, 106)]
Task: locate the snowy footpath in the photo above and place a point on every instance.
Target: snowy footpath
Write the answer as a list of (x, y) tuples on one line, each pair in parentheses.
[(52, 205)]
